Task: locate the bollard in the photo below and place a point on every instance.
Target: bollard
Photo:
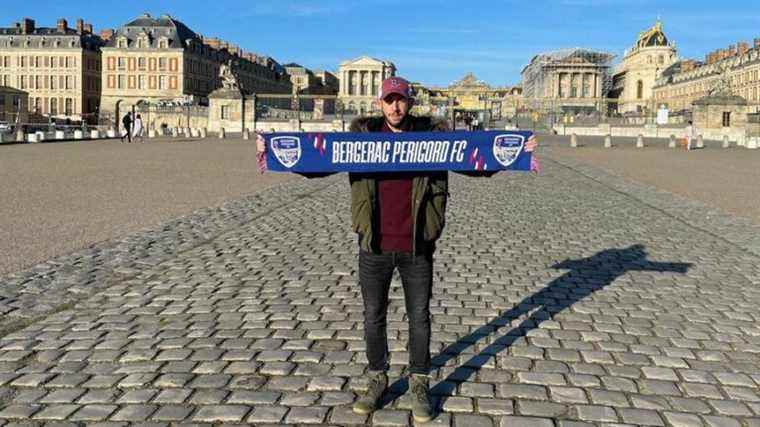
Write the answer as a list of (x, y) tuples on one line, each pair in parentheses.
[(20, 137), (640, 141), (152, 133), (111, 133), (32, 137), (204, 133), (94, 134), (752, 143), (175, 132), (78, 134), (726, 143), (59, 134), (195, 132), (246, 134), (188, 133), (672, 142), (574, 141), (608, 141), (700, 141), (222, 134), (40, 136)]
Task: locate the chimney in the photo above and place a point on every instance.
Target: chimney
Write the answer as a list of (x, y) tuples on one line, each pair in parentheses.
[(62, 26), (106, 35), (80, 25), (27, 26), (88, 28)]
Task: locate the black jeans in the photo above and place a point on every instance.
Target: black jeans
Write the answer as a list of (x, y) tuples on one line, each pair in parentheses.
[(375, 272)]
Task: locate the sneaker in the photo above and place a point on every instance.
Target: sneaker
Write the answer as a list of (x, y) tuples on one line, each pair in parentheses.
[(422, 409), (370, 400)]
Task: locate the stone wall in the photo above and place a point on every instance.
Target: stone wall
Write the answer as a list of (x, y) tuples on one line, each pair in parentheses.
[(737, 135)]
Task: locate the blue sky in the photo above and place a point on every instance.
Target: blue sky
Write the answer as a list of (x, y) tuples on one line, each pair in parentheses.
[(433, 42)]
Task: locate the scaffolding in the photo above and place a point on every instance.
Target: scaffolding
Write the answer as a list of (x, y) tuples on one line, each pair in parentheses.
[(537, 71)]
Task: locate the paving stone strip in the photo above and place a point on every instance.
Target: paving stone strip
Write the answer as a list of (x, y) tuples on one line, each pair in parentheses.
[(60, 282), (558, 301)]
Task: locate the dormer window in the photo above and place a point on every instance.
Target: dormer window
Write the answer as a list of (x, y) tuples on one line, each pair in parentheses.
[(122, 43), (163, 43), (57, 43)]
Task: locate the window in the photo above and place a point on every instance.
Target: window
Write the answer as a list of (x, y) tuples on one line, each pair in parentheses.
[(225, 112), (726, 119), (162, 82), (53, 106), (52, 82), (162, 64), (38, 82), (122, 43), (121, 81), (121, 63), (2, 100), (639, 89), (37, 105), (69, 106), (23, 61), (141, 81), (22, 83), (141, 63), (68, 82)]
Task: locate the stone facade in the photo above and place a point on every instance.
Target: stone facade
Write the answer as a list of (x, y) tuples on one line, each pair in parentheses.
[(58, 67), (568, 79), (360, 81), (161, 59), (472, 95), (687, 81), (640, 68), (14, 105)]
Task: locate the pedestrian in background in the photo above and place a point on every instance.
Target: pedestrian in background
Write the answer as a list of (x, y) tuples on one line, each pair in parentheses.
[(127, 123), (137, 129)]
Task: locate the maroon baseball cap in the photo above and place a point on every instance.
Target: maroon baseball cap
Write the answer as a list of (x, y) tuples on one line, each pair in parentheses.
[(395, 85)]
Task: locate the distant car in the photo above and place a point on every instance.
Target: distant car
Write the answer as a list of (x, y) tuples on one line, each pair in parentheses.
[(6, 127)]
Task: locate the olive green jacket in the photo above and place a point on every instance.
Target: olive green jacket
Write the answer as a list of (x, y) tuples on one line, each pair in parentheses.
[(430, 192)]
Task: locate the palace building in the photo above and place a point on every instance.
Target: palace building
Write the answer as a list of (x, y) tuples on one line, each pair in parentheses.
[(161, 59), (58, 67), (360, 81), (569, 79), (642, 65)]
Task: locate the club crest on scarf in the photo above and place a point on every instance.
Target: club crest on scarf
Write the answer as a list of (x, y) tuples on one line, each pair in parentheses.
[(287, 149), (506, 148)]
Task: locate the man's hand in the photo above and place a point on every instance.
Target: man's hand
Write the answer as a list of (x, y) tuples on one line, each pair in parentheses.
[(261, 153), (531, 145), (261, 146)]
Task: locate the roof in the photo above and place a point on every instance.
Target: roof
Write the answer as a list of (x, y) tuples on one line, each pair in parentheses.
[(175, 31), (8, 89), (591, 55), (51, 37), (652, 37), (367, 60)]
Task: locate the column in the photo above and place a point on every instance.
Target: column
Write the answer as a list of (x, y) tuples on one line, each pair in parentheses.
[(597, 86)]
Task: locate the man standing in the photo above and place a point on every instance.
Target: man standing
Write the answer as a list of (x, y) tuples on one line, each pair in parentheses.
[(398, 217), (127, 122)]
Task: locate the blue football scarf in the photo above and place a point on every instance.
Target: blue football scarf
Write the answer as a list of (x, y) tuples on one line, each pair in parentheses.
[(395, 152)]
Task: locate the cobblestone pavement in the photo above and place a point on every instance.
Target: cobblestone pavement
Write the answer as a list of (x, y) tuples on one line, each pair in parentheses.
[(564, 299)]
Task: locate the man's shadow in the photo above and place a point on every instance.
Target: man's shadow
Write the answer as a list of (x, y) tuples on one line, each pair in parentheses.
[(585, 277)]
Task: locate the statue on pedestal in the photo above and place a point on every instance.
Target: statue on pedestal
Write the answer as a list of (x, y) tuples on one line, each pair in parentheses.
[(228, 77), (722, 84)]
